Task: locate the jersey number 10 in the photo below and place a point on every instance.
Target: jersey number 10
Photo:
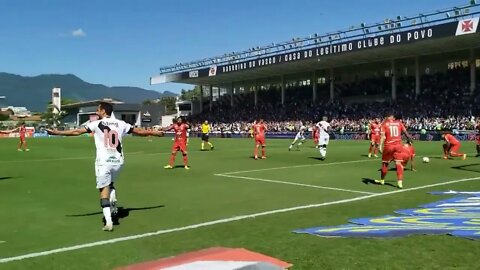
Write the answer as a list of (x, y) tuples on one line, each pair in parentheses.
[(394, 131), (110, 138)]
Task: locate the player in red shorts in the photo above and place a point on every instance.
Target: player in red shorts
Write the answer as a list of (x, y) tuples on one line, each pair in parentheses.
[(22, 130), (408, 154), (259, 129), (316, 135), (451, 146), (478, 139), (179, 143), (392, 148), (374, 138)]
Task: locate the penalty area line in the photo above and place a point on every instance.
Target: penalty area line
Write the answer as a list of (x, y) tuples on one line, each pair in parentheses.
[(222, 221)]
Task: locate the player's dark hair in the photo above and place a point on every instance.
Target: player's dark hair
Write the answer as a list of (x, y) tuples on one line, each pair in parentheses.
[(108, 107)]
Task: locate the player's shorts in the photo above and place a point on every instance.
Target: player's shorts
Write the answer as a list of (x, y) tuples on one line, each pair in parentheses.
[(392, 152), (205, 137), (375, 139), (478, 139), (22, 138), (260, 141), (179, 146), (324, 139), (106, 174), (454, 148)]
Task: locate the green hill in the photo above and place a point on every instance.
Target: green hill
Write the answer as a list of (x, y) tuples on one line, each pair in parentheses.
[(35, 92)]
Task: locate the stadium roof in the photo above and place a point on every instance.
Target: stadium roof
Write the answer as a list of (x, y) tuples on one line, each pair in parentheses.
[(90, 103), (445, 31)]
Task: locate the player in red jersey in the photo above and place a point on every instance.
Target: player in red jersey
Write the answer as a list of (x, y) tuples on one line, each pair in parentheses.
[(179, 143), (451, 146), (478, 139), (316, 135), (392, 148), (408, 154), (374, 138), (22, 130), (259, 129)]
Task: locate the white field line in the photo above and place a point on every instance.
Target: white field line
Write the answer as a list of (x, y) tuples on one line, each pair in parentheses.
[(221, 221), (302, 166), (292, 183)]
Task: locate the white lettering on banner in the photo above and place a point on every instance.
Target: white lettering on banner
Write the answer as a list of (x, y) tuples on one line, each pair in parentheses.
[(193, 74), (422, 34), (366, 43)]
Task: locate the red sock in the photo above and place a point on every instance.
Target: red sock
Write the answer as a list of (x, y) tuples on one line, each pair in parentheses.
[(399, 171), (185, 160), (263, 151), (375, 150), (370, 149), (255, 152), (453, 154), (384, 170), (172, 159)]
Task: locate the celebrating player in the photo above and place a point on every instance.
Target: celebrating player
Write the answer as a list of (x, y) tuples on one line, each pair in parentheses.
[(374, 138), (259, 129), (299, 137), (392, 148), (323, 127), (205, 135), (408, 154), (179, 143), (451, 147), (22, 130), (108, 133)]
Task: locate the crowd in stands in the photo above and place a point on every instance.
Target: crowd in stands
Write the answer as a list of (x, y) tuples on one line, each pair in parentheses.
[(445, 103)]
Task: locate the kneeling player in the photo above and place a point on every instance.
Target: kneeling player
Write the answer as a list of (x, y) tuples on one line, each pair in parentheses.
[(408, 154), (451, 147)]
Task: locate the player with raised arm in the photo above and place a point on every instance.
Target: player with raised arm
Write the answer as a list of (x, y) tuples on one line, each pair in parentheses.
[(300, 137), (392, 148), (374, 138), (22, 130), (324, 138), (205, 135), (179, 143), (108, 133), (259, 130), (451, 147)]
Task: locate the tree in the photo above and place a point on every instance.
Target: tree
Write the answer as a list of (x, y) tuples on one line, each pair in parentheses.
[(192, 94), (169, 103), (55, 119)]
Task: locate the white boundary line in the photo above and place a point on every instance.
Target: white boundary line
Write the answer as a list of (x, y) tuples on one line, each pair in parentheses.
[(305, 165), (292, 183), (221, 221)]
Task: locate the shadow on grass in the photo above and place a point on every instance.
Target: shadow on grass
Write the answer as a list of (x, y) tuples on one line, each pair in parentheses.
[(317, 158), (123, 212), (368, 181), (474, 167), (5, 178)]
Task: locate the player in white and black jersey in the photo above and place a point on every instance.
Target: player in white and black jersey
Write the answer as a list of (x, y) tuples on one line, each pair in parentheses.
[(324, 138), (299, 137), (108, 133)]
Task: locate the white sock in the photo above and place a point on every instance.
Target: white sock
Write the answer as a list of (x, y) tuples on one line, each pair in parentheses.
[(108, 215), (323, 151), (113, 195)]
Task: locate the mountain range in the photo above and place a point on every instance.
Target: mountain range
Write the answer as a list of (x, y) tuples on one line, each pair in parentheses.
[(36, 92)]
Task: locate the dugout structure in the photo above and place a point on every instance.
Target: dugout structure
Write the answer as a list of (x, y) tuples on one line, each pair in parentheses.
[(402, 46)]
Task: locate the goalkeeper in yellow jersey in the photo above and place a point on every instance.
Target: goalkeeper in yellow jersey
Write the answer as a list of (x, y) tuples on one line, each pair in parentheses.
[(205, 135)]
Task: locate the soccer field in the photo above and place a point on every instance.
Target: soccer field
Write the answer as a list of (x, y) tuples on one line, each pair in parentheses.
[(48, 202)]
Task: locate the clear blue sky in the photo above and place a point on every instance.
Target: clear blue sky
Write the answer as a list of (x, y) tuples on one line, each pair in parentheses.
[(124, 42)]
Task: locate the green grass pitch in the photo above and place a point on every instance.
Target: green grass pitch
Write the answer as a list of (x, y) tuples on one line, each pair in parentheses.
[(48, 201)]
